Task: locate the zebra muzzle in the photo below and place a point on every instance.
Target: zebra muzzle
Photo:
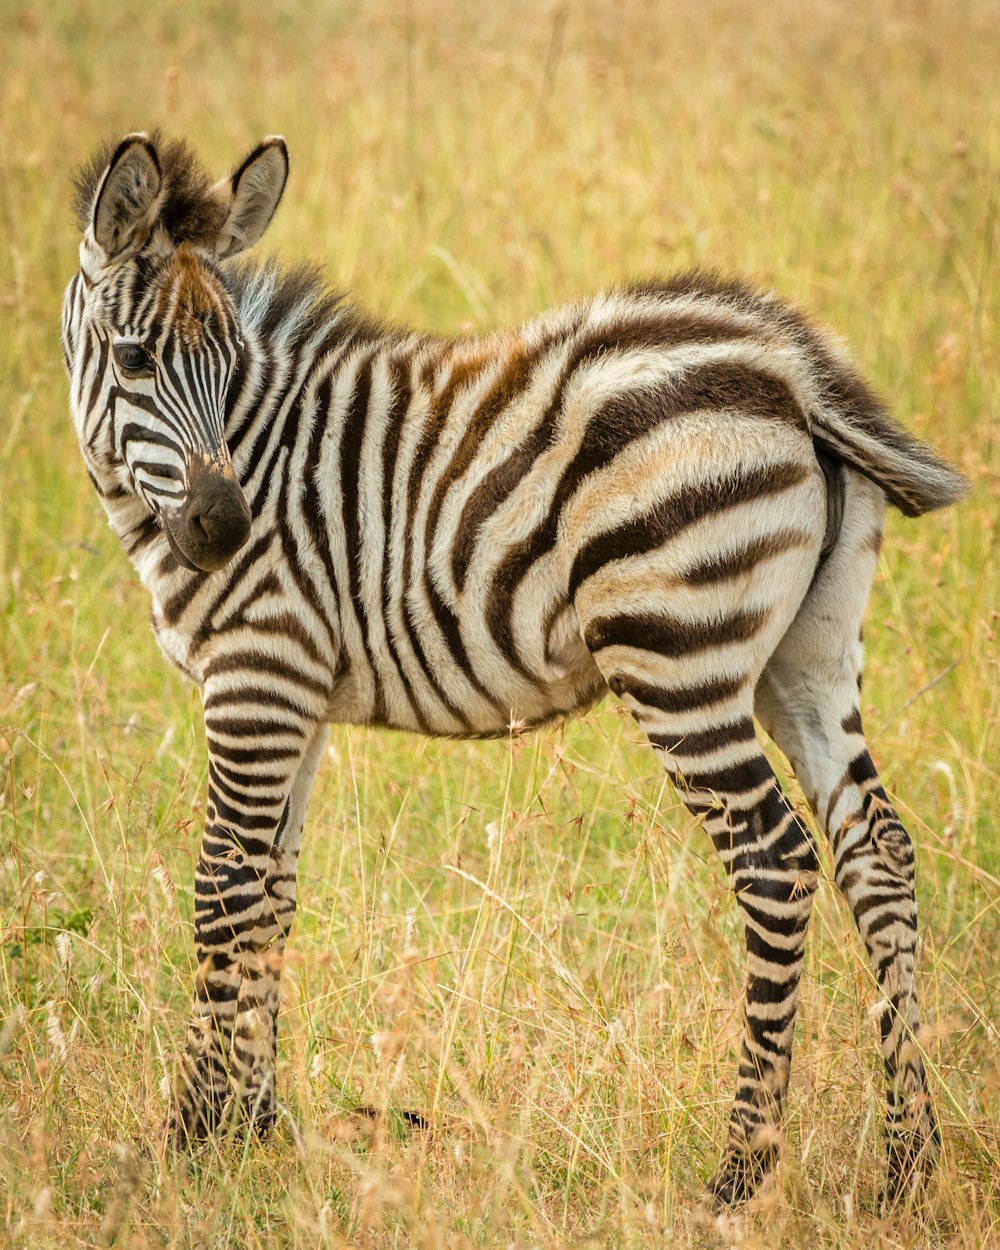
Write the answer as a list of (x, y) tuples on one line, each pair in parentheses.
[(213, 523)]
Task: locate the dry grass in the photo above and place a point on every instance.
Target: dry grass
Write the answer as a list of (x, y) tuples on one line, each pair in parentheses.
[(526, 942)]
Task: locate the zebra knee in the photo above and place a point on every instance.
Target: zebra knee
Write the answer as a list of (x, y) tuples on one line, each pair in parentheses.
[(891, 844), (875, 848), (775, 893), (229, 891)]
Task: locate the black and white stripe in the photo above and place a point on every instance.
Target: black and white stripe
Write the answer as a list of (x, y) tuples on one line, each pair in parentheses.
[(674, 491)]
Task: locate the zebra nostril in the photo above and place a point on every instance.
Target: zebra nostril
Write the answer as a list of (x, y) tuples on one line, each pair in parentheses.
[(197, 523), (216, 522)]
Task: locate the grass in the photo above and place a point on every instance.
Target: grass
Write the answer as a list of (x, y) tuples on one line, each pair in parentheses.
[(527, 942)]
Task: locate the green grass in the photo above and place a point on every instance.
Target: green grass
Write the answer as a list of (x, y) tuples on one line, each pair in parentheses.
[(537, 939)]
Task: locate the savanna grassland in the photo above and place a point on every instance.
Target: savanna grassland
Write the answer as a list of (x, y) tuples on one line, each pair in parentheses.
[(526, 942)]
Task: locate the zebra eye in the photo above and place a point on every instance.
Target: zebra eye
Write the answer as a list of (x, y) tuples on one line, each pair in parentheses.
[(133, 358)]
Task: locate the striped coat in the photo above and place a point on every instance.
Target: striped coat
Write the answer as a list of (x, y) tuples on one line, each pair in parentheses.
[(673, 491)]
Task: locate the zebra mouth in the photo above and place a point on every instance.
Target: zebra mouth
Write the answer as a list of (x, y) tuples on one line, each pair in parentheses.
[(212, 523), (175, 548)]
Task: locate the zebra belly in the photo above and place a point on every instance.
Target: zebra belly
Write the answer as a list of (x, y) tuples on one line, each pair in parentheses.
[(464, 686)]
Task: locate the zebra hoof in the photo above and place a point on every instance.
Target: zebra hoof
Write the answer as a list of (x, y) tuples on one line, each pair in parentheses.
[(404, 1118), (739, 1175), (253, 1112), (911, 1162), (190, 1123)]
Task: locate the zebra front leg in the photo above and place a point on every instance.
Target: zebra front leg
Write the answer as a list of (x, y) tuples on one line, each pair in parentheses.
[(254, 1047), (256, 764), (227, 887)]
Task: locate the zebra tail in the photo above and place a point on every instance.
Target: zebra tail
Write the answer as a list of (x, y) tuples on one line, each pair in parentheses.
[(850, 423)]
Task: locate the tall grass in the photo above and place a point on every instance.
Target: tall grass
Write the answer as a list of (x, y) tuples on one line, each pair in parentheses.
[(526, 942)]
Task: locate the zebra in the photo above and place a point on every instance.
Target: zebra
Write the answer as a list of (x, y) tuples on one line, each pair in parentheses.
[(673, 491)]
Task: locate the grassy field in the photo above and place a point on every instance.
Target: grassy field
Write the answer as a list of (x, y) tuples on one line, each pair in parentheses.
[(526, 942)]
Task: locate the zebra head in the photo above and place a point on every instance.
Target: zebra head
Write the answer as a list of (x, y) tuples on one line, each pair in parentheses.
[(152, 340)]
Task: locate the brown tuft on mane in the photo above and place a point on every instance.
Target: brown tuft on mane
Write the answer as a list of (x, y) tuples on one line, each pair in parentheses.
[(191, 212)]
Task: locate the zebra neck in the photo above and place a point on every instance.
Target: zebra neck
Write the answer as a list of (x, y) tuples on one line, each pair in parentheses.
[(141, 536)]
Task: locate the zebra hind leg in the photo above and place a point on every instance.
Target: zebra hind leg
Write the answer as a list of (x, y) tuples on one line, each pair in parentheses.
[(725, 780), (770, 857), (808, 700), (685, 661)]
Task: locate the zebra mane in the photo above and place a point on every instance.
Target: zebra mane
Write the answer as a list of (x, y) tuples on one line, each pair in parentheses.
[(295, 303), (191, 213)]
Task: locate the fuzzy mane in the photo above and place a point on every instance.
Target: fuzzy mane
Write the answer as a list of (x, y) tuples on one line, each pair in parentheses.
[(191, 213), (296, 300), (298, 304)]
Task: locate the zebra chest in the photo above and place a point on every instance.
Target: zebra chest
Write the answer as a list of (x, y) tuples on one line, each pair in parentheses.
[(176, 645)]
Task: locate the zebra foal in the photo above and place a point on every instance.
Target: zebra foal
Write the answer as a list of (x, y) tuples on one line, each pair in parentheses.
[(674, 491)]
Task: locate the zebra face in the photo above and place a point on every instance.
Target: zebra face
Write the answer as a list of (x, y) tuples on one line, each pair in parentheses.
[(152, 341), (170, 369)]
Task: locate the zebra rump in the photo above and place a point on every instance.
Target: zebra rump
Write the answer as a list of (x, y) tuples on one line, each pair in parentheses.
[(848, 420)]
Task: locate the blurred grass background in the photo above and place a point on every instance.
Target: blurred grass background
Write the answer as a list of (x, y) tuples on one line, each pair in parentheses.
[(527, 942)]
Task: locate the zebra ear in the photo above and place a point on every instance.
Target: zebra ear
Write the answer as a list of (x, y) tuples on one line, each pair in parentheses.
[(127, 202), (256, 188)]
